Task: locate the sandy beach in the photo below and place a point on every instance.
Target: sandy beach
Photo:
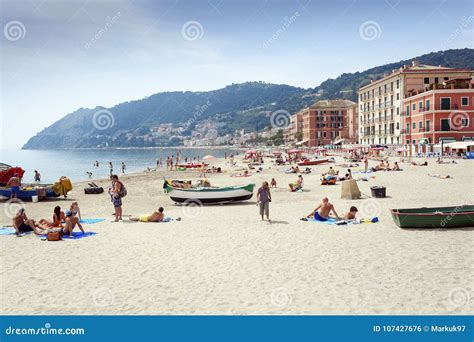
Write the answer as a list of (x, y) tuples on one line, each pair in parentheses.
[(222, 259)]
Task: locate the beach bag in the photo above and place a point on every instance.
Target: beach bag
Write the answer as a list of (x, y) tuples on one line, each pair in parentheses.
[(54, 236), (123, 191), (93, 190)]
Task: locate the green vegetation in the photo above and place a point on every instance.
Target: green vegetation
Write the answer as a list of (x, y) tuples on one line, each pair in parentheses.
[(245, 106)]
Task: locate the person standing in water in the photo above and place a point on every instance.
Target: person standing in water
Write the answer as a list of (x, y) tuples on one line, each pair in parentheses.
[(37, 176), (111, 168)]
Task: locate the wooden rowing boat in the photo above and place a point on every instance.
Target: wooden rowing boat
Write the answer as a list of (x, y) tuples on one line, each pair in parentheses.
[(211, 194), (437, 217), (313, 162)]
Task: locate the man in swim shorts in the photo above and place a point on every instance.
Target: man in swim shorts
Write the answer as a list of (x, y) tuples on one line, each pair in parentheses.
[(323, 211), (22, 224), (156, 216), (14, 183)]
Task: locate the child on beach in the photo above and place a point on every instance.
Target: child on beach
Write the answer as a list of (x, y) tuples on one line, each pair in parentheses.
[(75, 210), (273, 183)]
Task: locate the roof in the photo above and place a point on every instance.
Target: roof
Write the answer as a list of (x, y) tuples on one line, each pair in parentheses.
[(418, 68), (333, 104), (459, 144)]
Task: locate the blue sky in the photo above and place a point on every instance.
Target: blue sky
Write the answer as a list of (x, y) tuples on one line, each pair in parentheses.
[(58, 56)]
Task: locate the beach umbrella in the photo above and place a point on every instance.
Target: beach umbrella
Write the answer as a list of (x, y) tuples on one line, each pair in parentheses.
[(208, 157)]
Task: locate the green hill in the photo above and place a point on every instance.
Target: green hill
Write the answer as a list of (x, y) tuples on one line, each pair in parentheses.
[(238, 106)]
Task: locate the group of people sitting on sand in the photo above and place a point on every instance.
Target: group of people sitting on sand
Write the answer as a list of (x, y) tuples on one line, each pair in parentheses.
[(385, 166), (63, 222)]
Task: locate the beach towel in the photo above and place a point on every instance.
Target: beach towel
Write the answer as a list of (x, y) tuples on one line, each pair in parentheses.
[(165, 220), (7, 230), (344, 223), (91, 220), (75, 235)]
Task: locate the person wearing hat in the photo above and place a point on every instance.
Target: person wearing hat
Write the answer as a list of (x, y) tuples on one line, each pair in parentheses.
[(71, 222)]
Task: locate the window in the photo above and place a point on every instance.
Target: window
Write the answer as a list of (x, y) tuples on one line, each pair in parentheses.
[(408, 142), (398, 110), (398, 96), (445, 103), (464, 101), (436, 80), (426, 80), (464, 122), (427, 105), (408, 128), (420, 105), (413, 106), (445, 126), (408, 110), (398, 84), (420, 124), (413, 125), (398, 125), (413, 142), (446, 78), (427, 125)]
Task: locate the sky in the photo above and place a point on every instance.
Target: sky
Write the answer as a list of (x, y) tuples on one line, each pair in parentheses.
[(58, 56)]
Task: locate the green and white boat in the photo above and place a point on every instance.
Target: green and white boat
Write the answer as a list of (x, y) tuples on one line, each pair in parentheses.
[(211, 194), (439, 217)]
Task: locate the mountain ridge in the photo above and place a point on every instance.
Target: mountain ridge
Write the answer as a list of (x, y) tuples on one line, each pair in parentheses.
[(247, 106)]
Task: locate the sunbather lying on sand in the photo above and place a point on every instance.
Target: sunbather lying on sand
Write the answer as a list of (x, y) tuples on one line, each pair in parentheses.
[(439, 176), (351, 215), (156, 216), (419, 164)]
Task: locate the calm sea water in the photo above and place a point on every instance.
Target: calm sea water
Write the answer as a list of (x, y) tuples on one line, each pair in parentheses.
[(74, 164)]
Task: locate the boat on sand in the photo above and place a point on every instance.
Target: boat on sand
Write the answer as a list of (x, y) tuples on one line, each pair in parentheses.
[(436, 217), (311, 162), (209, 194)]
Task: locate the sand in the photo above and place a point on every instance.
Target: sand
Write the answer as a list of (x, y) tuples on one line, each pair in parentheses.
[(222, 259)]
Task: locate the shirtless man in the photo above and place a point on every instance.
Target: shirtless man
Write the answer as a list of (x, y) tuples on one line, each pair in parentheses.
[(351, 215), (22, 224), (157, 216), (14, 183), (323, 210), (71, 222)]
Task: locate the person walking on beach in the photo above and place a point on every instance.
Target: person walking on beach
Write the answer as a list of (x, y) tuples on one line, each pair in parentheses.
[(124, 167), (14, 184), (111, 168), (37, 176), (117, 192), (264, 198), (366, 163)]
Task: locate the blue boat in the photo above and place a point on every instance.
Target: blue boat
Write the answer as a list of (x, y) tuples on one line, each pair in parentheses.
[(26, 192)]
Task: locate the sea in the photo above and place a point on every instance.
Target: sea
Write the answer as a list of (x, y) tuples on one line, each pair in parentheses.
[(74, 163)]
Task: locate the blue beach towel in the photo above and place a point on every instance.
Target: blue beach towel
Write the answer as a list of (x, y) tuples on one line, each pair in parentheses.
[(333, 221), (91, 220), (75, 235), (7, 230)]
